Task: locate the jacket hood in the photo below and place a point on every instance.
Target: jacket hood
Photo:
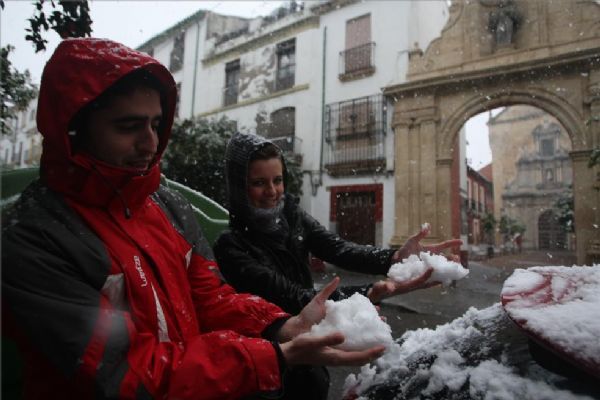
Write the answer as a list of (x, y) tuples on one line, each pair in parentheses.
[(78, 72), (237, 158)]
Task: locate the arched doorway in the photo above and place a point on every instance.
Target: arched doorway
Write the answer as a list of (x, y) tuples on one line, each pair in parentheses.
[(551, 62)]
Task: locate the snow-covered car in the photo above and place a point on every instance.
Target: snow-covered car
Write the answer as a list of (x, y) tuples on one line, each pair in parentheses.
[(531, 349)]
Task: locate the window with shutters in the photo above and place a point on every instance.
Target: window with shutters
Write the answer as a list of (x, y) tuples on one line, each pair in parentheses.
[(357, 60)]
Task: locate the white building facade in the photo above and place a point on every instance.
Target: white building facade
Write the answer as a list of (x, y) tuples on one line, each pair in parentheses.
[(21, 146), (309, 77)]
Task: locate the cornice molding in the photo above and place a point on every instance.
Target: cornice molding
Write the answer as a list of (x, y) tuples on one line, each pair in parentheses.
[(495, 73), (247, 102)]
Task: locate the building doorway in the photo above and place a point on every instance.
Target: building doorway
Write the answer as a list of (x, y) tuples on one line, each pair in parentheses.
[(357, 213), (356, 217), (551, 234)]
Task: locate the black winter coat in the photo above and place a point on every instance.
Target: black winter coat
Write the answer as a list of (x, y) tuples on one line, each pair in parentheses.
[(278, 270)]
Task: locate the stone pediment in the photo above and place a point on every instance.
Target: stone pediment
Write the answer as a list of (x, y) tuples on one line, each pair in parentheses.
[(539, 30)]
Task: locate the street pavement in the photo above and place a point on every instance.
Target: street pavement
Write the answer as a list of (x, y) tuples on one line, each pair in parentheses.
[(425, 308)]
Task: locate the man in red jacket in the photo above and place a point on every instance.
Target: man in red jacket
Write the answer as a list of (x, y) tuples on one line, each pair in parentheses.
[(108, 285)]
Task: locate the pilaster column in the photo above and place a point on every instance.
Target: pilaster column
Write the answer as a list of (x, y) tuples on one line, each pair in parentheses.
[(444, 201), (401, 127), (416, 183), (586, 181)]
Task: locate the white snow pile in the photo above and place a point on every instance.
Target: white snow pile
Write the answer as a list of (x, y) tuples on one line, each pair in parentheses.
[(467, 354), (560, 304), (357, 319), (421, 343), (488, 380), (444, 270)]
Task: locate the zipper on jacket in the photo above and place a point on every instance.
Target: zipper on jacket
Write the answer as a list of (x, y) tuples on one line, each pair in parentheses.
[(117, 191)]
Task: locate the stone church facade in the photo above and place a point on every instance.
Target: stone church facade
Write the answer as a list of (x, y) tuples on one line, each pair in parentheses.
[(497, 53), (532, 168)]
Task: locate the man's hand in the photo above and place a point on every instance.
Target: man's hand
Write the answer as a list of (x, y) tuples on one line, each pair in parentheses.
[(319, 351), (390, 287), (413, 246), (310, 315)]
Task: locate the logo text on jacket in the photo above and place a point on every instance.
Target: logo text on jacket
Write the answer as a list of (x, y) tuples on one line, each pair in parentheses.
[(138, 266)]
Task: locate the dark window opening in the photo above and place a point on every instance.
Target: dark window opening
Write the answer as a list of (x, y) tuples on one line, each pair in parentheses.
[(176, 59), (178, 100), (282, 130), (232, 80), (286, 64), (547, 147)]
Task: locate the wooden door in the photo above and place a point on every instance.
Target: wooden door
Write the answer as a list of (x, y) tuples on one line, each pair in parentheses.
[(355, 216)]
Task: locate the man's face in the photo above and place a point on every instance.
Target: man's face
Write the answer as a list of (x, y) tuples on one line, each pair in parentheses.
[(125, 133)]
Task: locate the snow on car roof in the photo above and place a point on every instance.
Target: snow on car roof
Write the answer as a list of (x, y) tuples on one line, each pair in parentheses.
[(483, 355), (561, 307)]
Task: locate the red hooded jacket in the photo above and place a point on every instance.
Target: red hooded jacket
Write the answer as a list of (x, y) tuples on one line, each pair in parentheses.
[(111, 303)]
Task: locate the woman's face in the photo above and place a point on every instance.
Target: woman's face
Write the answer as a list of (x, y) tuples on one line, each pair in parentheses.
[(265, 182)]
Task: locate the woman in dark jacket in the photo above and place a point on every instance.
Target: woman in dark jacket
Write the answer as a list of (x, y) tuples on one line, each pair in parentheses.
[(266, 251)]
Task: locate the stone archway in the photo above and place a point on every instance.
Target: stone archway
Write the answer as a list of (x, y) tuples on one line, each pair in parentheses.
[(550, 60)]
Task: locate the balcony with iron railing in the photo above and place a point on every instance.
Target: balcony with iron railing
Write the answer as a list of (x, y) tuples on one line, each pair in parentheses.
[(355, 137), (357, 62)]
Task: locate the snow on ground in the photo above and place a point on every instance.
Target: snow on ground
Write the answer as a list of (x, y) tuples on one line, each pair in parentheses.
[(559, 304), (444, 270)]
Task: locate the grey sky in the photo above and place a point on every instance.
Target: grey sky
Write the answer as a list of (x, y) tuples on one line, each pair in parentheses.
[(128, 22), (134, 22)]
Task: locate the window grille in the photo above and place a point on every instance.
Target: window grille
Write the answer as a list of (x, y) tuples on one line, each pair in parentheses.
[(355, 133)]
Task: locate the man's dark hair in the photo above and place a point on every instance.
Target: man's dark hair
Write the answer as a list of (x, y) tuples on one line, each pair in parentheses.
[(123, 86)]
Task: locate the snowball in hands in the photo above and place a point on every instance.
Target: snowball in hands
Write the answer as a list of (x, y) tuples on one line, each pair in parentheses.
[(444, 270), (357, 319)]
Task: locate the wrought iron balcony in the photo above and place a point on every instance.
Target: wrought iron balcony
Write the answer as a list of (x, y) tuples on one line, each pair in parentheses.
[(357, 62), (355, 136)]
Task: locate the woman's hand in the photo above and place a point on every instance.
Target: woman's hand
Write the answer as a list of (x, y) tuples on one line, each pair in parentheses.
[(310, 315), (389, 287), (413, 246)]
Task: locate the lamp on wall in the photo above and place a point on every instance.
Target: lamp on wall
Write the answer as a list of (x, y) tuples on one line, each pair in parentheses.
[(316, 180)]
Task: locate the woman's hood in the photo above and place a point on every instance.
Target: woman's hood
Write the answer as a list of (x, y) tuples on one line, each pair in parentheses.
[(237, 158), (78, 72)]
